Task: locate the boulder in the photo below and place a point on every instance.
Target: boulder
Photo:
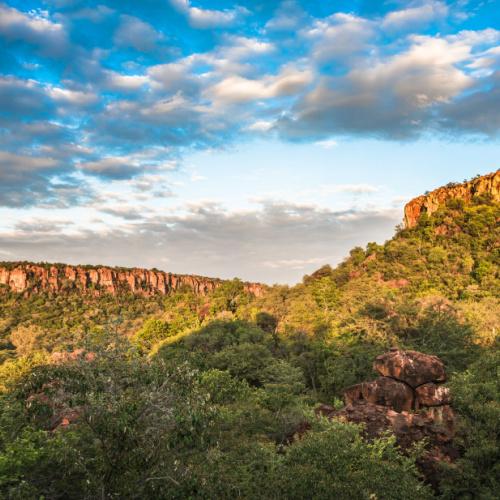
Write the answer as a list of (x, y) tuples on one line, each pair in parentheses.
[(325, 411), (383, 391), (408, 402), (432, 395), (436, 424), (412, 367)]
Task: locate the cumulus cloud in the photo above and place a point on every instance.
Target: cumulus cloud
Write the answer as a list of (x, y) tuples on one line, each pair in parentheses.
[(23, 99), (34, 28), (68, 96), (396, 96), (476, 111), (340, 36), (135, 33), (237, 89), (207, 18), (25, 180), (413, 17), (287, 17), (122, 82), (113, 167)]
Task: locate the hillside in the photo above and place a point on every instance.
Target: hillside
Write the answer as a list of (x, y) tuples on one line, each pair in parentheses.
[(140, 384)]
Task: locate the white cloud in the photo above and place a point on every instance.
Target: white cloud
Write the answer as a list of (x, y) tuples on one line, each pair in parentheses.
[(133, 32), (111, 167), (172, 76), (261, 126), (118, 81), (340, 36), (76, 97), (33, 27), (327, 143), (288, 16), (413, 17), (206, 18), (237, 89), (12, 164), (165, 106), (390, 96)]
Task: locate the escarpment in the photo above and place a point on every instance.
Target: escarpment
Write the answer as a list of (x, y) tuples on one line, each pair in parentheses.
[(488, 185), (30, 279), (409, 400)]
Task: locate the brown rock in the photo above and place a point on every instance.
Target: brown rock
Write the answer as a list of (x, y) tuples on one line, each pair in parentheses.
[(436, 426), (325, 411), (411, 367), (386, 403), (33, 278), (388, 392), (432, 395), (430, 203), (384, 391)]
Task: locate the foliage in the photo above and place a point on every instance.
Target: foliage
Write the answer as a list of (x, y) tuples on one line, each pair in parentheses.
[(337, 463), (476, 395)]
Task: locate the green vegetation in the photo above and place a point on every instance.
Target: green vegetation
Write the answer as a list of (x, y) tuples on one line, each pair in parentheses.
[(188, 396)]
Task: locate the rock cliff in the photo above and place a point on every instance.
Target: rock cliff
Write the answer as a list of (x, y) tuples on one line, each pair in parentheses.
[(30, 278), (431, 202)]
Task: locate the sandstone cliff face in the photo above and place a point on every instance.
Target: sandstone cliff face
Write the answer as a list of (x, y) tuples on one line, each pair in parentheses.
[(33, 278), (430, 203)]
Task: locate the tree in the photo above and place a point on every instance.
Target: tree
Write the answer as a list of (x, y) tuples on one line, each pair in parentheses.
[(153, 331), (337, 463), (228, 296), (28, 338), (117, 425), (476, 396)]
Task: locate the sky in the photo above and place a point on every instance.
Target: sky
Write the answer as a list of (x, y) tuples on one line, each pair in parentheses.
[(260, 139)]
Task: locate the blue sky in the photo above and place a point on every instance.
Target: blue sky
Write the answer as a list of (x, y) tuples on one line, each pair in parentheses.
[(258, 139)]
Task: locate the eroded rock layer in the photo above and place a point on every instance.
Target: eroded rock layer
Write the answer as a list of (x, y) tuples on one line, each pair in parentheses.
[(36, 278)]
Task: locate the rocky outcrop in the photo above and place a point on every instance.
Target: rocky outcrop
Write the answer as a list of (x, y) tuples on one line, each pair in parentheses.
[(410, 367), (430, 203), (383, 391), (407, 400), (37, 278)]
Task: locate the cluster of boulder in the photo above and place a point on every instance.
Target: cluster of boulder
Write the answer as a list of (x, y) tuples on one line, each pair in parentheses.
[(407, 399)]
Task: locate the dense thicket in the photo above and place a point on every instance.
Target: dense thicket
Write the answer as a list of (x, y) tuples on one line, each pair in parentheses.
[(204, 397)]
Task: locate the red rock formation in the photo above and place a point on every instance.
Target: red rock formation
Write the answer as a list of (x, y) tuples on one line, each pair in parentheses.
[(383, 391), (411, 367), (432, 395), (35, 278), (430, 203), (406, 401)]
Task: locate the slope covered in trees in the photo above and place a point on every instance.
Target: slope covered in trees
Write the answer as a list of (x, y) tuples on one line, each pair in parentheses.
[(191, 396)]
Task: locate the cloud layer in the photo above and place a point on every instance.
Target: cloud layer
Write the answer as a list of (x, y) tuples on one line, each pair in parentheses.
[(83, 89)]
